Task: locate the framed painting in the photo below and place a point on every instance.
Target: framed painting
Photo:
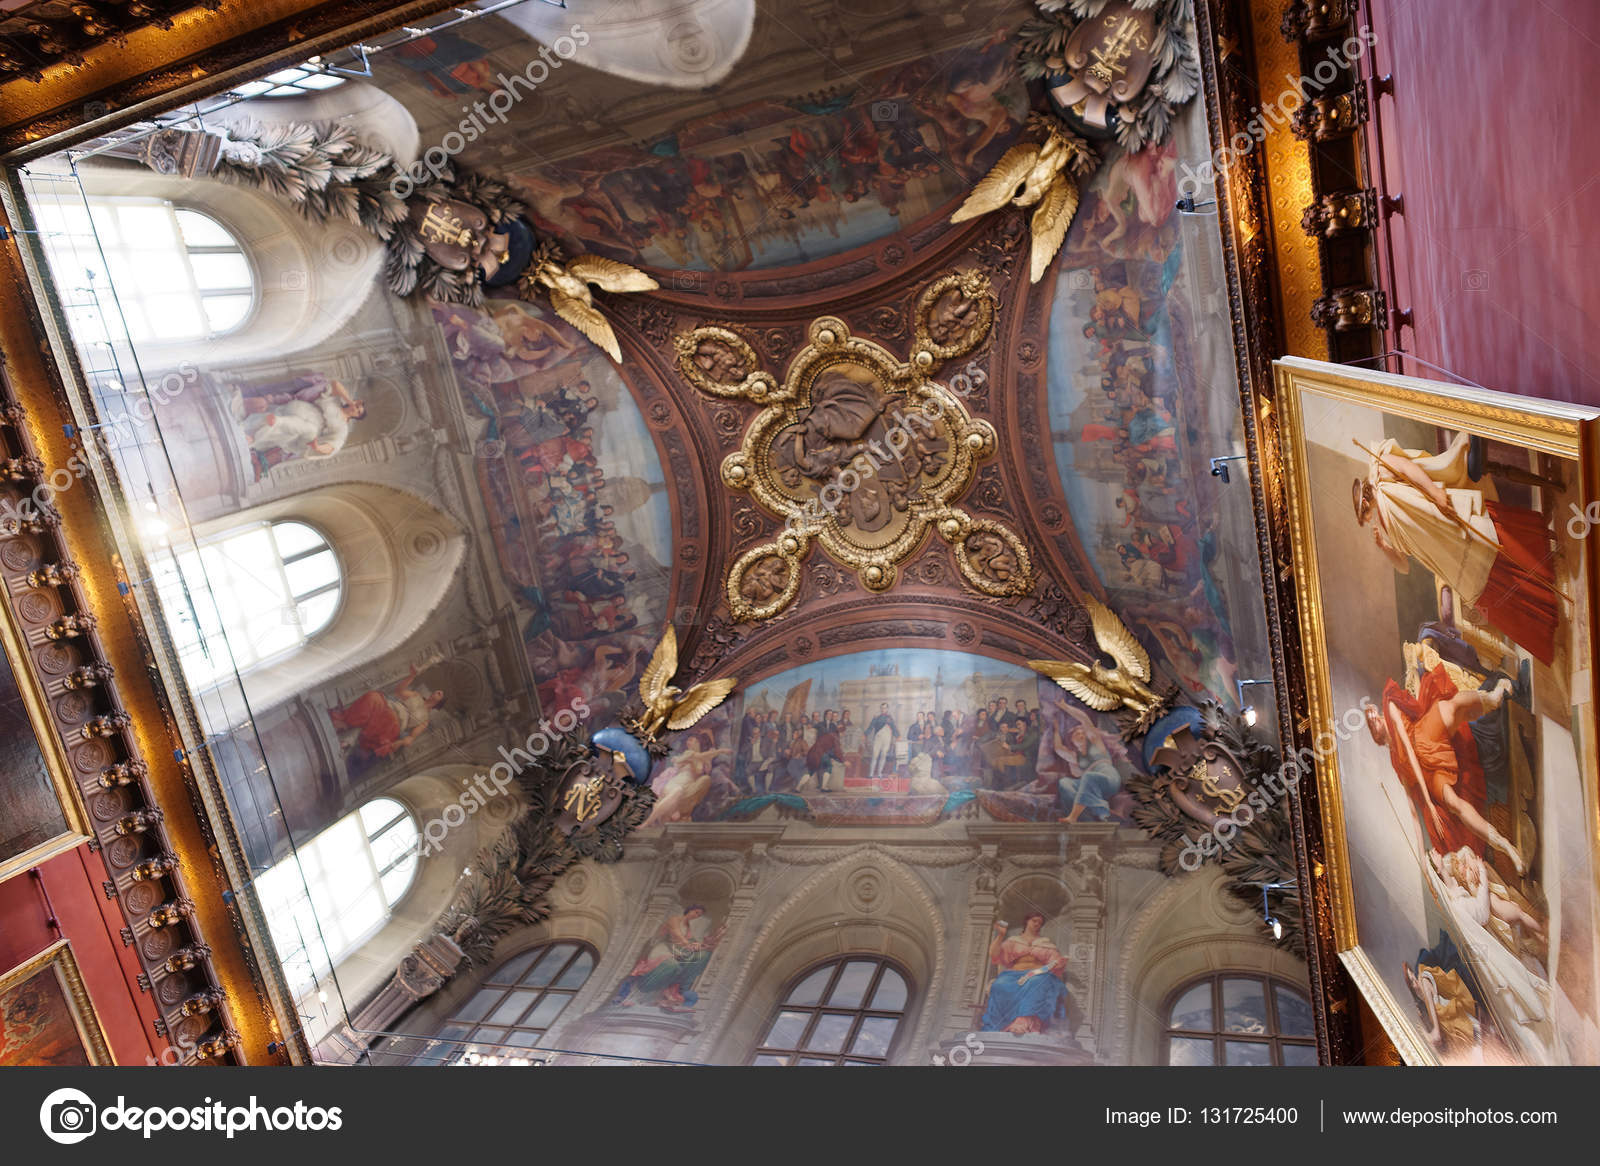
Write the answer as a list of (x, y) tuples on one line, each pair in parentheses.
[(40, 812), (46, 1017), (1446, 583)]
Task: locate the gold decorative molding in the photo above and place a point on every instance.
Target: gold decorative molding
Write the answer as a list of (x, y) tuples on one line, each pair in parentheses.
[(860, 451), (1289, 188)]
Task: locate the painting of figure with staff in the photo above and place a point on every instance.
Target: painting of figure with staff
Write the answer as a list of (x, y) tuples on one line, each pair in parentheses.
[(1450, 675), (1497, 557)]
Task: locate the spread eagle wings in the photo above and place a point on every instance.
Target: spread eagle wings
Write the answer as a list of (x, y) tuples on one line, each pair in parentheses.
[(609, 275), (698, 701), (589, 320), (1117, 641), (1078, 680), (658, 673), (999, 186), (1050, 223)]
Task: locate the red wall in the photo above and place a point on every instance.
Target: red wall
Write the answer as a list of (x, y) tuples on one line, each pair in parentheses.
[(1493, 137), (90, 922)]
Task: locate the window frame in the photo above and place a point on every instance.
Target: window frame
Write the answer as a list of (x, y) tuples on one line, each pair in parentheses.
[(352, 942), (294, 85), (858, 1014), (194, 637), (131, 293), (459, 1046), (1275, 1039)]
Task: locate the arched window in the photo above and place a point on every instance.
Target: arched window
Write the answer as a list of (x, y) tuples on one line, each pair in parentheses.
[(246, 596), (1239, 1019), (844, 1012), (337, 890), (515, 1005), (178, 274), (295, 81)]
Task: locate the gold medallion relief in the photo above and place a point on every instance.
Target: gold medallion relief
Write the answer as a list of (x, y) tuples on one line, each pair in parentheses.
[(860, 451)]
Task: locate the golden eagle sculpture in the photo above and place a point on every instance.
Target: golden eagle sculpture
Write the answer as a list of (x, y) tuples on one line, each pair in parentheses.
[(1124, 685), (1042, 173), (667, 707), (566, 283)]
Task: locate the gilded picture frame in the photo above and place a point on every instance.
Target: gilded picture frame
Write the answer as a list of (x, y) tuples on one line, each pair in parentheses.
[(1456, 789), (58, 962), (51, 751)]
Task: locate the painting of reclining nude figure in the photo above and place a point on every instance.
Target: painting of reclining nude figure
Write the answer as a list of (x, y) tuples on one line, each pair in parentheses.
[(907, 736), (1444, 566)]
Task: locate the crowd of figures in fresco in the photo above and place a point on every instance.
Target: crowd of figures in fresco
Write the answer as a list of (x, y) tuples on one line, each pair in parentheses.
[(783, 182), (907, 736), (583, 551), (1129, 417)]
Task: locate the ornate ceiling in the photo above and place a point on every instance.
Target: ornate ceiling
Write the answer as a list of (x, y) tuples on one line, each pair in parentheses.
[(847, 440)]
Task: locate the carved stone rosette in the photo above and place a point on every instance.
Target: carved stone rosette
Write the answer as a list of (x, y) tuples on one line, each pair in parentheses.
[(860, 451)]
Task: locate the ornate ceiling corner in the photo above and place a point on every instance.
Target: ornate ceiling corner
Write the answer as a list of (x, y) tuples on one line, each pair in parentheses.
[(69, 69)]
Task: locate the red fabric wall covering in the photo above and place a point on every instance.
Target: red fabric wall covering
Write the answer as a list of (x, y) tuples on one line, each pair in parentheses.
[(91, 923), (1493, 137)]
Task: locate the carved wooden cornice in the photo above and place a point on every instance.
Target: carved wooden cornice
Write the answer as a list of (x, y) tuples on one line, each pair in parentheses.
[(64, 651), (133, 65), (46, 33), (1275, 272)]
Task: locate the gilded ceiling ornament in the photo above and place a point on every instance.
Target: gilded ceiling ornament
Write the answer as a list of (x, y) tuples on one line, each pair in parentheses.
[(566, 282), (1212, 770), (1040, 173), (860, 451), (1123, 685), (666, 706), (448, 232), (1113, 68)]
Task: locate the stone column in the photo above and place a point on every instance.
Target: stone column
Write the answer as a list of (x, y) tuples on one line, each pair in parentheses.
[(422, 973), (1085, 872)]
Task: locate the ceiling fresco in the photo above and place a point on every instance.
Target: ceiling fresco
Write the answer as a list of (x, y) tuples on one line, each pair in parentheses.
[(800, 155), (779, 183), (574, 492), (850, 453)]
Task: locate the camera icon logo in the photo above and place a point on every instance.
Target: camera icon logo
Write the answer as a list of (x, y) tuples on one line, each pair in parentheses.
[(67, 1116)]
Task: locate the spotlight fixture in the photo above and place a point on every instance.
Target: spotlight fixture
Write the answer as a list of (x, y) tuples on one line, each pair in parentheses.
[(1274, 924), (1188, 206), (1246, 709), (1219, 465)]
